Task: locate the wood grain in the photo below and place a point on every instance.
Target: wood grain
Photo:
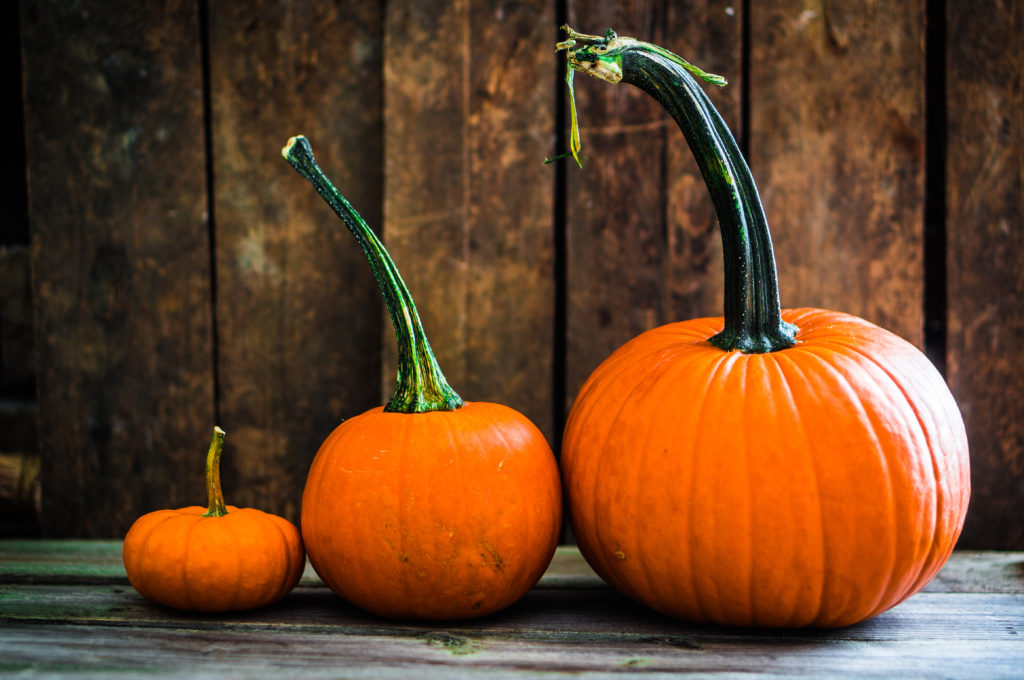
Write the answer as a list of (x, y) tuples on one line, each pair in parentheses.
[(985, 259), (566, 618), (120, 258), (615, 214), (468, 203), (837, 130), (710, 34), (298, 312), (510, 299), (99, 562), (220, 653), (643, 244), (439, 147), (74, 620)]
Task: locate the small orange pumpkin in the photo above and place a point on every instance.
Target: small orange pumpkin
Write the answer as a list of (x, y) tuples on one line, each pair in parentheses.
[(214, 559), (428, 507), (769, 467)]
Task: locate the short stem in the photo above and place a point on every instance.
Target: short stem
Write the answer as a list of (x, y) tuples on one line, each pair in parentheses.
[(753, 314), (421, 386), (216, 507)]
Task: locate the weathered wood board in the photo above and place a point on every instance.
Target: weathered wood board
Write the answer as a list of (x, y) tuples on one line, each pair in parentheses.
[(642, 238), (68, 619), (710, 33), (183, 274), (985, 258), (468, 120), (298, 313), (120, 258), (837, 148), (41, 562)]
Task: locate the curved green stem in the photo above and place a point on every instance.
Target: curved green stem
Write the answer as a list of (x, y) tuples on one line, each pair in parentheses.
[(753, 313), (216, 507), (421, 386)]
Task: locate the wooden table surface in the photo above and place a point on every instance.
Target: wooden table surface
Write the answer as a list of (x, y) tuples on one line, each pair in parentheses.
[(66, 609)]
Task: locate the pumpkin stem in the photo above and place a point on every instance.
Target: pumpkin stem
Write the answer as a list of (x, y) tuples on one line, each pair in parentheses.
[(216, 507), (753, 313), (421, 386)]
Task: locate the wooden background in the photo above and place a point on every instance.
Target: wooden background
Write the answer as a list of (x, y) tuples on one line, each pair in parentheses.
[(164, 269)]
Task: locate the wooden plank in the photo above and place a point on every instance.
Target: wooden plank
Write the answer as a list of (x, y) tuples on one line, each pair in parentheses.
[(615, 213), (233, 653), (566, 615), (510, 302), (837, 144), (557, 631), (298, 312), (120, 257), (643, 244), (562, 625), (576, 613), (426, 173), (980, 572), (65, 561), (99, 562), (710, 33), (985, 291), (468, 205)]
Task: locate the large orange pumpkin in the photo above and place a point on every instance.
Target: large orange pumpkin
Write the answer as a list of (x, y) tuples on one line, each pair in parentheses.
[(428, 507), (213, 559), (767, 468)]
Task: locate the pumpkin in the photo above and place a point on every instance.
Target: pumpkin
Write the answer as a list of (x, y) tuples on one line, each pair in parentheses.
[(213, 559), (765, 468), (428, 507)]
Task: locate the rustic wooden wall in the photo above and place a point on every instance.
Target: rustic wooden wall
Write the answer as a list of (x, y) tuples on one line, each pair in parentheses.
[(297, 311), (837, 144), (642, 239), (120, 257), (985, 257), (184, 275), (468, 118)]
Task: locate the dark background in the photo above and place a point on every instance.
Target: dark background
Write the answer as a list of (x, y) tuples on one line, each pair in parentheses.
[(162, 268)]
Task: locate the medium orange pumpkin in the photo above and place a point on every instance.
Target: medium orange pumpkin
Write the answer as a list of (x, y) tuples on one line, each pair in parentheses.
[(428, 507), (767, 468), (214, 559)]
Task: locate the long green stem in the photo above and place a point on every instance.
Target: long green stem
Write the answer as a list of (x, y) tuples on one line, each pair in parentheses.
[(216, 507), (421, 386), (753, 321)]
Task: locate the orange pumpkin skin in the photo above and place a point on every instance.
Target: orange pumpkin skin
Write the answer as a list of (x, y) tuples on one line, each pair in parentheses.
[(242, 560), (817, 485), (437, 515)]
